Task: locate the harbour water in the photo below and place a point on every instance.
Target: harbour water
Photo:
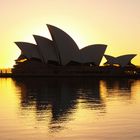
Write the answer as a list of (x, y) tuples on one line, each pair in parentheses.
[(69, 109)]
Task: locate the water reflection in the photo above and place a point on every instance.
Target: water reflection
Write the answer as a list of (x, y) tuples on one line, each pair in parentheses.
[(119, 87), (119, 84), (58, 99), (69, 108)]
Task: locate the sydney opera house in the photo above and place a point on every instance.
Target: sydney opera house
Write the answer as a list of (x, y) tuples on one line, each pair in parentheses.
[(62, 57)]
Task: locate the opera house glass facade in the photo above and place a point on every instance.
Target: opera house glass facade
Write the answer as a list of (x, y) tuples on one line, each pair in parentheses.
[(62, 56)]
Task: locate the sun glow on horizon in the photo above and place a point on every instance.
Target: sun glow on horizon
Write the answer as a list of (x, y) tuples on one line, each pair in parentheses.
[(114, 23)]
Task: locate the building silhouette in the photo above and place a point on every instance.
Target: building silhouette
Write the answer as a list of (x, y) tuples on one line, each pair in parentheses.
[(61, 56), (122, 61)]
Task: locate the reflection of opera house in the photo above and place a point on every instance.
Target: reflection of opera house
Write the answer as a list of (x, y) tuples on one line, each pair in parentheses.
[(62, 57)]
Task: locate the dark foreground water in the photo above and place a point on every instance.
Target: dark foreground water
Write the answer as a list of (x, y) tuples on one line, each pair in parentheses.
[(69, 109)]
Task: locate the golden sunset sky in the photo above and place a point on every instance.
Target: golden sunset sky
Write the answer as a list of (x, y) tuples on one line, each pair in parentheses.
[(112, 22)]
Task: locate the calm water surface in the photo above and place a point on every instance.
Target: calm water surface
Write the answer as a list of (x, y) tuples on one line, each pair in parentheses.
[(69, 109)]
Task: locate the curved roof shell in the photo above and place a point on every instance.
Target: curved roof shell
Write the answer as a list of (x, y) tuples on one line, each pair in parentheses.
[(93, 53), (122, 60), (110, 59), (66, 47), (46, 49), (29, 50)]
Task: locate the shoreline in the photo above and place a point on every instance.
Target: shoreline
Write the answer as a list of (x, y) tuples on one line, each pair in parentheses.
[(10, 75)]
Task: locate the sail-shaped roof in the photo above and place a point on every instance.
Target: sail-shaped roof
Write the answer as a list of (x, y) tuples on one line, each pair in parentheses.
[(122, 60), (66, 47), (93, 53), (62, 49), (29, 50), (46, 48)]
